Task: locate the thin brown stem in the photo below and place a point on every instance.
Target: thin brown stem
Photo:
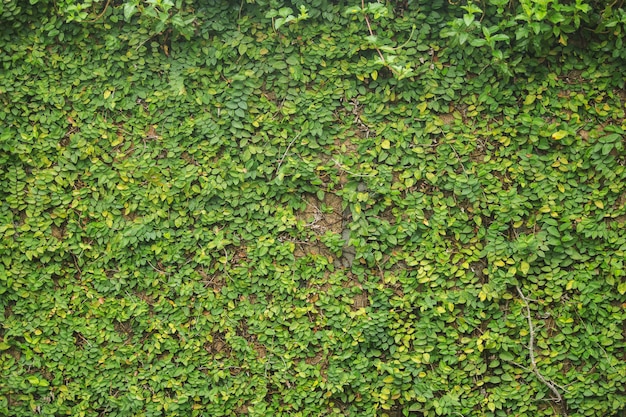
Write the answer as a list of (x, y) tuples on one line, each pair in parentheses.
[(106, 6)]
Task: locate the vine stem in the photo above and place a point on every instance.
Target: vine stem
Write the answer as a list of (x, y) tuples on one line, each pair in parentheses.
[(369, 27), (531, 354), (106, 6), (286, 151)]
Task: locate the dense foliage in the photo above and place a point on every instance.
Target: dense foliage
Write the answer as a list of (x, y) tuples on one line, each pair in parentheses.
[(325, 208)]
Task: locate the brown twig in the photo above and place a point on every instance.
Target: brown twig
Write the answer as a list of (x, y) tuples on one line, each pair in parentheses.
[(531, 354), (106, 6)]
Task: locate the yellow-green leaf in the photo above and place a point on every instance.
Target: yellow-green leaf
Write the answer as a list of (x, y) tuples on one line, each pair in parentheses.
[(559, 135), (530, 99), (599, 204), (386, 144), (524, 267), (107, 94)]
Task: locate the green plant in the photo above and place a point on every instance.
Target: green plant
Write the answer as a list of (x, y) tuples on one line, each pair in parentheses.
[(270, 221), (388, 56), (285, 16)]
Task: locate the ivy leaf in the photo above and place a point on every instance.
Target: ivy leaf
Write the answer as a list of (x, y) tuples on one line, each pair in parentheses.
[(478, 42), (500, 37), (524, 267), (530, 99), (129, 10), (352, 10), (285, 11)]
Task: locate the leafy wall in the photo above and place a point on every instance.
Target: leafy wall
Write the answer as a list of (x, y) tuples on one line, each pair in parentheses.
[(243, 220)]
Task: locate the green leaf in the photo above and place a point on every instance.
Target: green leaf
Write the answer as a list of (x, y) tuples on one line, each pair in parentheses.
[(607, 148), (478, 42), (130, 8), (279, 22), (468, 19), (285, 11), (530, 99), (524, 267), (500, 37), (506, 356), (353, 10)]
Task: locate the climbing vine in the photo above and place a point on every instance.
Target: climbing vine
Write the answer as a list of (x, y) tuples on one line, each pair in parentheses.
[(278, 208)]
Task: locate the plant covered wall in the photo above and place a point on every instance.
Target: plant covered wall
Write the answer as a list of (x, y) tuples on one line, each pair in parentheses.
[(326, 208)]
